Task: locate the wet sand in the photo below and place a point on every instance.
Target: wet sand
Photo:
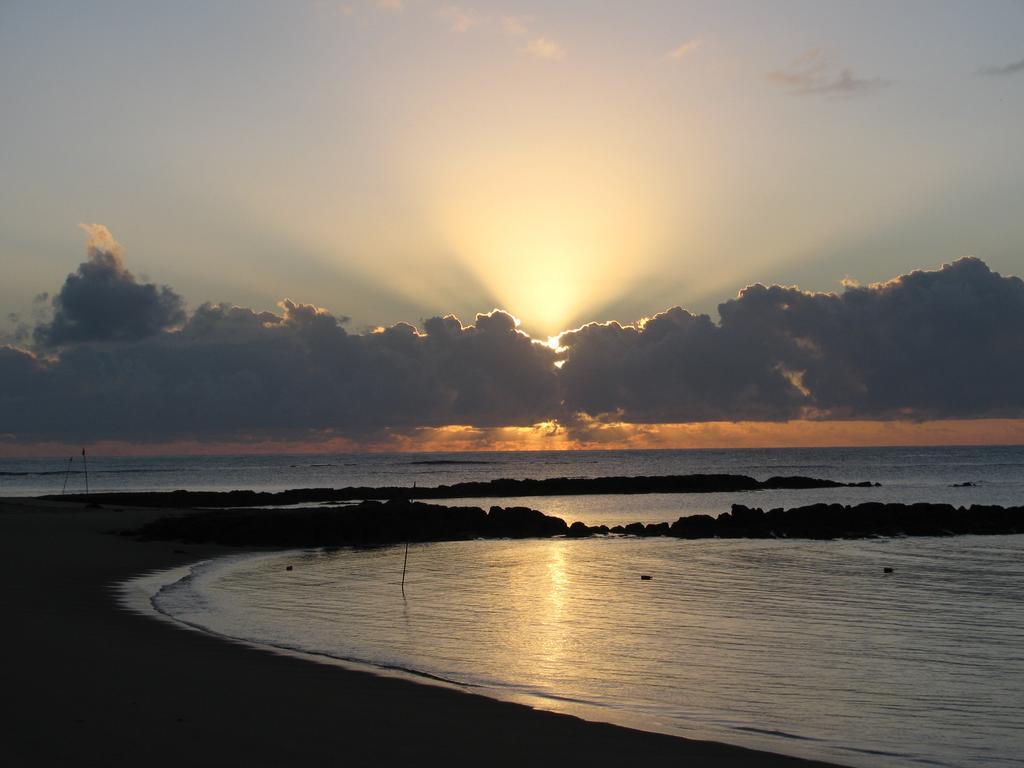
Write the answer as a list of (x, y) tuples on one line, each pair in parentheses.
[(87, 682)]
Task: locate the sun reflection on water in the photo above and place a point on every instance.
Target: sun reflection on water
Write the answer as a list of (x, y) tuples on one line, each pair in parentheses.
[(732, 639)]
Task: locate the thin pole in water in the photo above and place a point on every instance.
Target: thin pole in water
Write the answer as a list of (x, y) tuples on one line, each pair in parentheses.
[(86, 464), (66, 473), (405, 563)]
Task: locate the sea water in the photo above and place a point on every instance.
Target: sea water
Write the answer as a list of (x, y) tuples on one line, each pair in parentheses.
[(801, 647), (906, 474)]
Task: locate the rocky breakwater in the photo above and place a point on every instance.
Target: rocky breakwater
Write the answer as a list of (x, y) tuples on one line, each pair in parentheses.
[(836, 521), (553, 486), (369, 523), (372, 523)]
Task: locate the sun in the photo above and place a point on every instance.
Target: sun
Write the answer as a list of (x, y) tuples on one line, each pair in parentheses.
[(554, 231)]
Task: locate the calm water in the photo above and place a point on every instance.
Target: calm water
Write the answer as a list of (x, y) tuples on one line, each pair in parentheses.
[(907, 474), (799, 647), (794, 646)]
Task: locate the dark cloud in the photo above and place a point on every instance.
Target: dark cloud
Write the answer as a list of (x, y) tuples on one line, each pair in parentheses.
[(931, 344), (676, 367), (103, 301), (947, 343), (1013, 68), (233, 372), (20, 328), (20, 371), (814, 73), (941, 344)]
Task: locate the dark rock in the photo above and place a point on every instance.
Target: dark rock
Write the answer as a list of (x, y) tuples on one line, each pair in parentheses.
[(831, 521), (800, 482), (518, 522), (694, 527), (656, 529), (578, 529), (396, 521), (368, 523)]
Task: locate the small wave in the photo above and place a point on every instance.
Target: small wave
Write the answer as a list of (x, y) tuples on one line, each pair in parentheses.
[(775, 467), (451, 461), (187, 582), (49, 473), (773, 732), (154, 470), (38, 474), (886, 753)]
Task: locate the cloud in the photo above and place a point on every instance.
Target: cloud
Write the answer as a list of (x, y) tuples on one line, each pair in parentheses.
[(814, 73), (459, 19), (233, 372), (675, 367), (1013, 68), (684, 48), (103, 301), (516, 25), (938, 344), (20, 331), (390, 5), (928, 345), (544, 48)]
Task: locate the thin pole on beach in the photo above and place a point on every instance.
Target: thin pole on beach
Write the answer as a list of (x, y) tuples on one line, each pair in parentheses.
[(66, 473), (86, 465)]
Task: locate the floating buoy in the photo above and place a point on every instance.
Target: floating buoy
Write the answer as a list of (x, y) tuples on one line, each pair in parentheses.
[(887, 569), (645, 577)]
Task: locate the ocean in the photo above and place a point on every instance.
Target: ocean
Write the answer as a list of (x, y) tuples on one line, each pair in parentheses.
[(801, 647), (906, 474), (798, 647)]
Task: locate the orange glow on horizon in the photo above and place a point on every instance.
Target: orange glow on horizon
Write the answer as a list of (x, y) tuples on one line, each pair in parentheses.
[(588, 435)]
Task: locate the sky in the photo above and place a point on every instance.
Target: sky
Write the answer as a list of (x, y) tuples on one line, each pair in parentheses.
[(381, 165)]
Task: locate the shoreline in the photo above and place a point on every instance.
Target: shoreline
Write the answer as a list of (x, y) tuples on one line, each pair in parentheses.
[(97, 684), (138, 594)]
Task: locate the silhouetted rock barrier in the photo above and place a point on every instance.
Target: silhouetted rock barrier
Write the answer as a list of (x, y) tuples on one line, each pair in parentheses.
[(557, 486), (836, 521), (371, 522), (399, 520)]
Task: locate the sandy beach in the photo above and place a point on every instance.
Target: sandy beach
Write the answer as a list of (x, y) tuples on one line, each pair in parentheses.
[(87, 682)]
